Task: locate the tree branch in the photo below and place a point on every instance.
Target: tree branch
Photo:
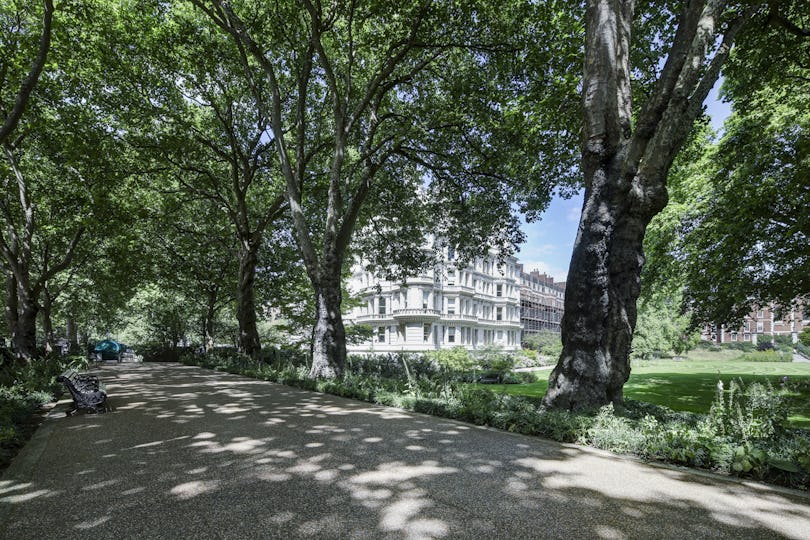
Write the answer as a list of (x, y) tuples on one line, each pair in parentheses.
[(62, 265), (682, 112), (775, 17), (606, 92), (226, 19), (654, 107), (13, 118)]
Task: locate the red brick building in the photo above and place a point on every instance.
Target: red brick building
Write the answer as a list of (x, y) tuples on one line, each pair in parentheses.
[(767, 321)]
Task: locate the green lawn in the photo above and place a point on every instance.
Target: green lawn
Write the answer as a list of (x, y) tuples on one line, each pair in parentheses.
[(690, 385)]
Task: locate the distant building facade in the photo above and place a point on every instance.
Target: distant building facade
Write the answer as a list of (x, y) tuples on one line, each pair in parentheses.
[(449, 306), (765, 321), (541, 302)]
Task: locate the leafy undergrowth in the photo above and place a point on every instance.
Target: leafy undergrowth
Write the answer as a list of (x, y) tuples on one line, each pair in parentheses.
[(24, 391), (745, 433)]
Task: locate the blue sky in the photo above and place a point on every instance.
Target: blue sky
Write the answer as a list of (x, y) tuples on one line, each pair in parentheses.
[(549, 242)]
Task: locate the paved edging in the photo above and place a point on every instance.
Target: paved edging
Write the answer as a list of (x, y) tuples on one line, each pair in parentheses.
[(24, 463)]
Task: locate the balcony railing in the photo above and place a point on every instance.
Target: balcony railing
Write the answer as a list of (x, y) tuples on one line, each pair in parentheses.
[(416, 314), (489, 322), (458, 317), (374, 317)]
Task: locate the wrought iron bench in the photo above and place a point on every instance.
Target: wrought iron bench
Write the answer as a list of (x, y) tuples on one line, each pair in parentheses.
[(490, 378), (87, 392)]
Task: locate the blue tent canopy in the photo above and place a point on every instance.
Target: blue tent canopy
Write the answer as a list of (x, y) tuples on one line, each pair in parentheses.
[(109, 349)]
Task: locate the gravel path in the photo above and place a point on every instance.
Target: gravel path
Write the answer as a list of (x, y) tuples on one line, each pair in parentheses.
[(188, 453)]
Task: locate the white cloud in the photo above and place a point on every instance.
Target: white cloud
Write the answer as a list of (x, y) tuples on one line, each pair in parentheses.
[(573, 214)]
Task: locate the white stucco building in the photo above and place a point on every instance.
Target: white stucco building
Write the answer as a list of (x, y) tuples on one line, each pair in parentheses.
[(446, 307)]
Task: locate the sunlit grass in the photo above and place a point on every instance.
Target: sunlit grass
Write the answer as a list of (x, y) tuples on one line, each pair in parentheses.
[(690, 385)]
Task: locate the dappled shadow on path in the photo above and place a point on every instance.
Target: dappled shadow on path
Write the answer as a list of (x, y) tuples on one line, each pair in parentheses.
[(192, 453)]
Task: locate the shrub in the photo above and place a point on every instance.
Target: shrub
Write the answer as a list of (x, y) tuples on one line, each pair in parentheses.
[(615, 433), (528, 377), (512, 378), (40, 375), (493, 358), (744, 346), (708, 346), (282, 356), (749, 459), (765, 356), (547, 343), (783, 343), (804, 337), (25, 389), (152, 352), (456, 359), (529, 358), (395, 365), (748, 413)]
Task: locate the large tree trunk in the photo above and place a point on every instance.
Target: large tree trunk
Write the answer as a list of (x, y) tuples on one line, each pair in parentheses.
[(600, 298), (328, 335), (47, 323), (625, 169), (208, 320), (246, 302), (25, 334), (71, 330), (12, 305)]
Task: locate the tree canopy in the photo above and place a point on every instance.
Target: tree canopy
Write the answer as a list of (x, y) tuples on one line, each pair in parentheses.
[(736, 233)]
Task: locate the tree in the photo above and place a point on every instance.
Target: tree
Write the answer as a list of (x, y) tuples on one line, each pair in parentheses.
[(18, 23), (195, 256), (737, 235), (59, 167), (626, 156), (367, 102), (159, 316), (196, 122), (662, 328)]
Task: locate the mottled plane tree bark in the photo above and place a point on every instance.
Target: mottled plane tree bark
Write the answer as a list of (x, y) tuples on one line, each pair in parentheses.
[(626, 155)]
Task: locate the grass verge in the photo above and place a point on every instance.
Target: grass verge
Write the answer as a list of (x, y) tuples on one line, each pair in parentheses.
[(690, 385)]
